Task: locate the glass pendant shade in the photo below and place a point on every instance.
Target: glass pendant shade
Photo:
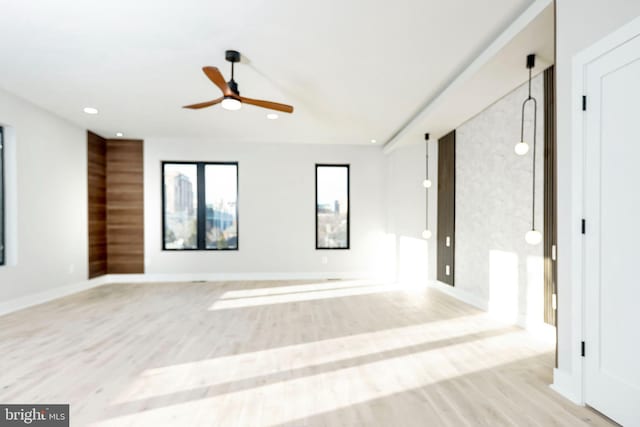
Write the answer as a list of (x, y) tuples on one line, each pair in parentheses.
[(426, 183), (426, 234), (231, 104), (533, 237), (521, 148)]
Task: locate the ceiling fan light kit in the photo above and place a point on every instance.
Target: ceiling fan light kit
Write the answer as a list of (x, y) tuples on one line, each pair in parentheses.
[(230, 103), (231, 99)]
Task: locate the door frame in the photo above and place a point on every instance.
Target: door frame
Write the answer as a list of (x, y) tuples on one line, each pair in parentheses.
[(572, 384)]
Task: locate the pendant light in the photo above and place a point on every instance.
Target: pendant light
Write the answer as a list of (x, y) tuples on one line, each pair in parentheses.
[(522, 147), (533, 236), (426, 234)]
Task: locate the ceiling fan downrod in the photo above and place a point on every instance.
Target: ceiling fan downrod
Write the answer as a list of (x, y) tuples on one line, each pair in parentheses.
[(233, 56)]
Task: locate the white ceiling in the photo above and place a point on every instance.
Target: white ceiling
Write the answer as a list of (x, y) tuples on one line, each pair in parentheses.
[(354, 70), (494, 74)]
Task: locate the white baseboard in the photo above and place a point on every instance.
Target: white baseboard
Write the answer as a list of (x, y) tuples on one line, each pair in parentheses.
[(566, 385), (230, 277), (50, 295), (457, 293), (538, 329), (63, 291)]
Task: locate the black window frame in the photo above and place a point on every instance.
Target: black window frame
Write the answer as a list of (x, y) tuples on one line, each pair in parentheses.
[(202, 208), (3, 211), (337, 165)]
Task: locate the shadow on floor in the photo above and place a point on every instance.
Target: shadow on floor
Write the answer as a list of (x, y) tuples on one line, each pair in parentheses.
[(291, 374)]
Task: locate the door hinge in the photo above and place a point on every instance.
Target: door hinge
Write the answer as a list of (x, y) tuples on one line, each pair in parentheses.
[(582, 349), (584, 102), (584, 226)]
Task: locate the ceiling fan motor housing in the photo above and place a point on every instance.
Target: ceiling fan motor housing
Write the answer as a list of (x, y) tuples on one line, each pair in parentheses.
[(232, 56), (233, 86)]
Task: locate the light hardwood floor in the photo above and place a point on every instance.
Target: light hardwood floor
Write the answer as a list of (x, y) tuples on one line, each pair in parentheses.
[(334, 353)]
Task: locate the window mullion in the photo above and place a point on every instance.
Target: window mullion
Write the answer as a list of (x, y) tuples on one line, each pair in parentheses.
[(202, 209)]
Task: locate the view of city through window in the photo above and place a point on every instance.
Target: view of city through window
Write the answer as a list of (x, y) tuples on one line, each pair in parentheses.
[(332, 206), (221, 191), (184, 203), (180, 206)]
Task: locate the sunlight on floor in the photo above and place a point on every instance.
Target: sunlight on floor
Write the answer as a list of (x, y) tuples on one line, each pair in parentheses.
[(309, 295), (291, 289), (294, 397), (354, 352), (187, 376)]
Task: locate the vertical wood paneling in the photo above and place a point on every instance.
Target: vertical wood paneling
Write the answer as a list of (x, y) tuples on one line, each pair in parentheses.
[(97, 201), (125, 207), (446, 207), (550, 199)]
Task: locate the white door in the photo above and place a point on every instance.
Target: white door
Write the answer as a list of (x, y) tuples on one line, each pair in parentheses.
[(612, 239)]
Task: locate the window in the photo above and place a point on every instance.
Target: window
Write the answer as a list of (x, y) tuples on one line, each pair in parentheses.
[(332, 206), (221, 201), (200, 206), (2, 219)]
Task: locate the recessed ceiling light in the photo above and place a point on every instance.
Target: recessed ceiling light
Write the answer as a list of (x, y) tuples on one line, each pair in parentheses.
[(119, 134), (373, 141), (90, 110), (272, 116)]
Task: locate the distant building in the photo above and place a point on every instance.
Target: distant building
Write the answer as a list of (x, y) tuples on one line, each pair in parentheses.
[(179, 194), (324, 208), (218, 219)]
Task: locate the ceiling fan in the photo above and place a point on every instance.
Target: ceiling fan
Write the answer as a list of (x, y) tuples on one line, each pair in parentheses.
[(231, 99)]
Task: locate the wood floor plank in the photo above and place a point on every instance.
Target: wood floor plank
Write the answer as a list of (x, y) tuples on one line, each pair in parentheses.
[(315, 353)]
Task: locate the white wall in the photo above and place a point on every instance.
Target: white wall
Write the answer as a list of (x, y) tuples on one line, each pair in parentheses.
[(47, 201), (414, 257), (580, 23), (494, 264), (276, 210)]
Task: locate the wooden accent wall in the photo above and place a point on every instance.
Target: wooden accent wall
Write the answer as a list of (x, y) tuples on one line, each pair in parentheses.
[(97, 203), (125, 207), (550, 198), (446, 208), (116, 212)]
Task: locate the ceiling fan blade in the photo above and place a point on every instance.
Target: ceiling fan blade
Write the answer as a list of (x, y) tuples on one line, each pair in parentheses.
[(216, 77), (267, 104), (204, 104)]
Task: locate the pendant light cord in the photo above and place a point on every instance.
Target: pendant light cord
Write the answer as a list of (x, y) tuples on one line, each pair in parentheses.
[(426, 172), (531, 60), (535, 129), (529, 98), (533, 183), (535, 126)]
